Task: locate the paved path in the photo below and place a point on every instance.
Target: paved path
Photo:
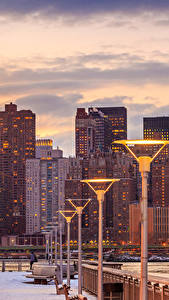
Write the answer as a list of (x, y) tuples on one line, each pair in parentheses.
[(14, 286)]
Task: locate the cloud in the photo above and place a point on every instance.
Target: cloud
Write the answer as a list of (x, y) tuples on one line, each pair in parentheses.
[(59, 129), (162, 22), (79, 7), (54, 117), (58, 106), (64, 141), (107, 101), (83, 72)]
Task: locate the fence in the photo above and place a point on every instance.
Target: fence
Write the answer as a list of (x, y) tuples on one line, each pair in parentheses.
[(157, 289)]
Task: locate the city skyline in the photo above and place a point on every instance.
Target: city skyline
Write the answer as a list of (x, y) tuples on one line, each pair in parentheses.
[(57, 57)]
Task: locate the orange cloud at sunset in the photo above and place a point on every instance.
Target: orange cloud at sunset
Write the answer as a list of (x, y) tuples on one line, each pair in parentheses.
[(54, 59)]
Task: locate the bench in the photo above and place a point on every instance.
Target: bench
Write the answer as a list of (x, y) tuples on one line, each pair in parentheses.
[(60, 288), (81, 297), (43, 273), (74, 297), (40, 279)]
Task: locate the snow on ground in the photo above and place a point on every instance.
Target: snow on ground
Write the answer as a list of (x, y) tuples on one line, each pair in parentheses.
[(14, 286)]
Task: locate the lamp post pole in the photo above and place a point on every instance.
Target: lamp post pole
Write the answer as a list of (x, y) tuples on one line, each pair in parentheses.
[(79, 206), (68, 252), (100, 188), (100, 198), (144, 168), (79, 212), (68, 215), (61, 252), (51, 246), (48, 239), (46, 245), (56, 245)]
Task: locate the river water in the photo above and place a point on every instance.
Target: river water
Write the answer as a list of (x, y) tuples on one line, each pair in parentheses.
[(160, 269)]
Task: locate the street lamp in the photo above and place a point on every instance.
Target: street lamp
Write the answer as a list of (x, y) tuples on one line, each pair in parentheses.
[(55, 227), (46, 233), (68, 215), (61, 252), (100, 187), (144, 162), (50, 227), (79, 205)]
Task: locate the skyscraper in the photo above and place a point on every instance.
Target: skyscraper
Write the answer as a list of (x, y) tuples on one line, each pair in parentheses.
[(17, 143), (84, 134), (103, 137), (157, 128), (43, 148), (45, 178), (97, 129), (118, 119)]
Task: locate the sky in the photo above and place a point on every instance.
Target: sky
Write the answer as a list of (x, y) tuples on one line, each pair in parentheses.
[(57, 55)]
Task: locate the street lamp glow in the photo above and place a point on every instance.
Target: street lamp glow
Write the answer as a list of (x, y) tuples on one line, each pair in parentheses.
[(144, 167), (100, 186), (128, 143), (68, 214), (141, 142), (79, 205), (94, 184)]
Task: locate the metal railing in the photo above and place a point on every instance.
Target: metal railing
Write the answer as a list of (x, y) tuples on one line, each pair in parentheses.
[(158, 289)]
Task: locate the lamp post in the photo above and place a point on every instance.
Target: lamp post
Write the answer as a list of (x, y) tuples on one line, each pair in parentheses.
[(56, 241), (68, 215), (50, 228), (55, 227), (47, 245), (79, 205), (144, 162), (100, 187), (61, 252), (51, 247), (46, 233)]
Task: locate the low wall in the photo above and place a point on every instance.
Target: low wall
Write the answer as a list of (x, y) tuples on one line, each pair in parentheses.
[(14, 265), (157, 289)]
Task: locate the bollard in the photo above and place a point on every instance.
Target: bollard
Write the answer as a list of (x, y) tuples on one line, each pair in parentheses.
[(19, 266), (3, 266)]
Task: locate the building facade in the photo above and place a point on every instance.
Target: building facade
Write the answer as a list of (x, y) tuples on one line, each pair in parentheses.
[(157, 128), (84, 134), (118, 119), (44, 148), (96, 130), (103, 130), (117, 199), (17, 143), (158, 224), (45, 188)]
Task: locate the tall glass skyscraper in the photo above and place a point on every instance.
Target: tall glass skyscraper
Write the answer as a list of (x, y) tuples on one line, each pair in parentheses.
[(17, 143)]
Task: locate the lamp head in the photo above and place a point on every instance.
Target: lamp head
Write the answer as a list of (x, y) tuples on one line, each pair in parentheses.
[(100, 184), (155, 145)]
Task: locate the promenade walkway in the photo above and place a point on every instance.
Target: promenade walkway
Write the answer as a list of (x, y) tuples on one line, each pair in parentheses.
[(14, 286)]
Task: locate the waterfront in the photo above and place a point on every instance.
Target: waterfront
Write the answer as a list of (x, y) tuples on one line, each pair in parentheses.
[(160, 269), (14, 286), (157, 285)]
